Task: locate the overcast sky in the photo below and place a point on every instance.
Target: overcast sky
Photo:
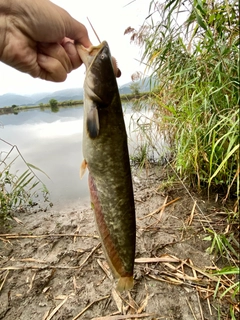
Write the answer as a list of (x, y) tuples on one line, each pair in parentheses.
[(110, 19)]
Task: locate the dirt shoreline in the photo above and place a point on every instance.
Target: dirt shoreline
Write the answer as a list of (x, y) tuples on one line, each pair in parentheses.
[(52, 265)]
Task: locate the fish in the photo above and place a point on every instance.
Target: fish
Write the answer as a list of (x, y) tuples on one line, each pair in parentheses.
[(106, 157)]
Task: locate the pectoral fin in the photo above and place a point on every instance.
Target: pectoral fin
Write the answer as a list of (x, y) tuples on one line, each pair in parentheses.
[(83, 168), (93, 122)]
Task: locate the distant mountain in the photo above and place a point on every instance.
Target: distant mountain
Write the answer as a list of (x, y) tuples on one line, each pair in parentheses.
[(63, 95), (144, 86), (9, 99), (37, 96)]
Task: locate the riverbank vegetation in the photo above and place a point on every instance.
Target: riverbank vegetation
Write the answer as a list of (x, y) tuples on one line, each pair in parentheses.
[(54, 104), (195, 89), (192, 49), (19, 191)]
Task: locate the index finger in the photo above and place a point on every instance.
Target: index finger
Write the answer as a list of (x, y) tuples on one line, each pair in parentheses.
[(78, 32)]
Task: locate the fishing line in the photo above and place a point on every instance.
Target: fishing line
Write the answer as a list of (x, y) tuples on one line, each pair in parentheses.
[(94, 30)]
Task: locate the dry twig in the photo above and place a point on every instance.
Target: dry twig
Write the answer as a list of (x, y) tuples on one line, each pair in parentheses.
[(163, 208), (105, 270), (4, 279), (144, 302), (195, 275), (163, 258), (128, 316), (56, 309), (190, 307), (89, 306), (160, 208), (31, 283), (93, 250), (23, 236), (190, 218), (117, 299)]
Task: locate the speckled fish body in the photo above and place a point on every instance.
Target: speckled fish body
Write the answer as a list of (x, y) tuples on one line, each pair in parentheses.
[(106, 156)]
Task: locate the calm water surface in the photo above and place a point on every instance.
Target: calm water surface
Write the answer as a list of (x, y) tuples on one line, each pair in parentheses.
[(53, 143)]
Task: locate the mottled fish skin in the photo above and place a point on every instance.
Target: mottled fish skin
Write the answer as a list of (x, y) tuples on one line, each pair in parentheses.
[(106, 156)]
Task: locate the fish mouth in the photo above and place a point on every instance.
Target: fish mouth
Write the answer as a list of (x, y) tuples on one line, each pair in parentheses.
[(88, 55)]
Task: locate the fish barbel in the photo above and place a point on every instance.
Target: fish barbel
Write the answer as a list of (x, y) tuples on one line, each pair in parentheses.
[(105, 153)]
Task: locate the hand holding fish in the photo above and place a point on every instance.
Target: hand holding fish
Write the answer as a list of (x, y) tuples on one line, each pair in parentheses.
[(37, 37)]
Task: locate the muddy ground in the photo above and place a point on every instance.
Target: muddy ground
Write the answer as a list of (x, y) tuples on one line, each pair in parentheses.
[(52, 265)]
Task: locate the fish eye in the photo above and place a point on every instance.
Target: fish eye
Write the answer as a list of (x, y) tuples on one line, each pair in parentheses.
[(102, 56)]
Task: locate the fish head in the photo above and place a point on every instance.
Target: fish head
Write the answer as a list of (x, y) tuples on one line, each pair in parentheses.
[(101, 72)]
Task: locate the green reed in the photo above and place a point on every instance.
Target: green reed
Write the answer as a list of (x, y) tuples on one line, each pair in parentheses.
[(192, 50)]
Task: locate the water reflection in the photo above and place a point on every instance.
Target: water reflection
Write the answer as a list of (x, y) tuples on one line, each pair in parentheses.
[(52, 141)]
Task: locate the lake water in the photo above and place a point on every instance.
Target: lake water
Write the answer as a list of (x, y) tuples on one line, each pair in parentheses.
[(52, 141)]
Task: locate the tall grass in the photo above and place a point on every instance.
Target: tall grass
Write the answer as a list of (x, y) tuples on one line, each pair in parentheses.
[(192, 48)]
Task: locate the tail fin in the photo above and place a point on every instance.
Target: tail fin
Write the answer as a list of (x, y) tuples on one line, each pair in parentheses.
[(125, 283)]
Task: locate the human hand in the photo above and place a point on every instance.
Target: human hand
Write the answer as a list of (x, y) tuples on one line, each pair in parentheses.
[(37, 37)]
